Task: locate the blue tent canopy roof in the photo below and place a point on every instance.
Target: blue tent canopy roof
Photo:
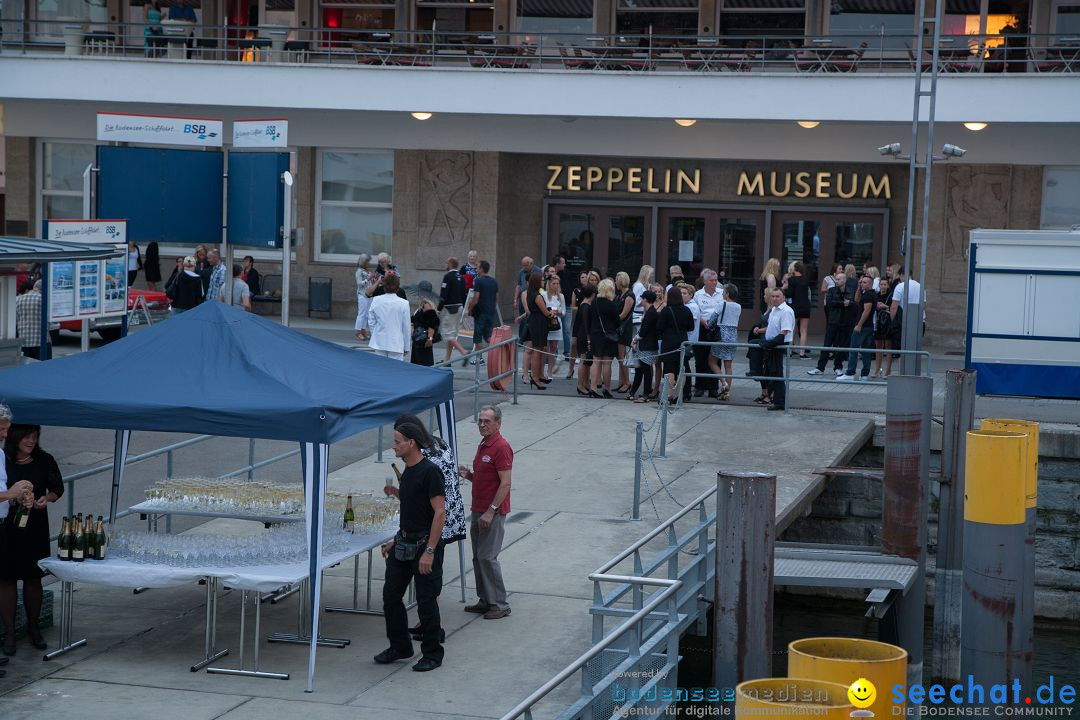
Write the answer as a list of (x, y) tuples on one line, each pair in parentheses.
[(221, 371)]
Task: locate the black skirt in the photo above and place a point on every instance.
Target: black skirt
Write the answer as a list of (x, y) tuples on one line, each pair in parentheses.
[(538, 329)]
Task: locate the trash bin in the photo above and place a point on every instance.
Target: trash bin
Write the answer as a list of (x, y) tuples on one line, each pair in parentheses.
[(319, 295), (797, 697), (845, 660)]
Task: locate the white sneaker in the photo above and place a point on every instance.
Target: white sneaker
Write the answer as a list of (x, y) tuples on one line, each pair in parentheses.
[(813, 371), (859, 378), (838, 372), (845, 378)]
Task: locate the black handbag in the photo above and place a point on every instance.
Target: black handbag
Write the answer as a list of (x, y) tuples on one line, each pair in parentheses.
[(406, 550), (419, 336), (609, 336), (712, 329)]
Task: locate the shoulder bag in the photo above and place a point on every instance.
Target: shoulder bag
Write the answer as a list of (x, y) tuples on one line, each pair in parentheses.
[(612, 336)]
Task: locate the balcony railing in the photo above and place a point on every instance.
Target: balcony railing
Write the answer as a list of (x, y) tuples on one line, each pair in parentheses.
[(835, 54)]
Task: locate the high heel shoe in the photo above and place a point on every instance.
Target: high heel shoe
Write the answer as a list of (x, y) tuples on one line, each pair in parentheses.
[(606, 393), (622, 389), (594, 394), (544, 380), (537, 385), (582, 392), (38, 641)]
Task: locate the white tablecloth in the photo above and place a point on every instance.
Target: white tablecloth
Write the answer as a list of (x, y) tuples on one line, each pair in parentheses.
[(117, 572)]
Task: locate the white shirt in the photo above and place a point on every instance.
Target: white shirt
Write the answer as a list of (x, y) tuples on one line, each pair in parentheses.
[(692, 306), (781, 318), (133, 260), (637, 289), (708, 303), (877, 283), (914, 294), (388, 319)]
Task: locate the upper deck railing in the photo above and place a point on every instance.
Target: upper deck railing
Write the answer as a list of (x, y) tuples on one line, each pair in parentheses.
[(881, 53)]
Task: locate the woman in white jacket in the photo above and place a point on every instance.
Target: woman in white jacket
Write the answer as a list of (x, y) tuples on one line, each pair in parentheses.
[(389, 319), (363, 302)]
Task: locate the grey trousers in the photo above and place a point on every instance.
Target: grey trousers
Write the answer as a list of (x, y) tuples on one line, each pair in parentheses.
[(486, 544)]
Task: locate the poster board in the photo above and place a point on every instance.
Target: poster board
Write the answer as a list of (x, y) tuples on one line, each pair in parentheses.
[(88, 289)]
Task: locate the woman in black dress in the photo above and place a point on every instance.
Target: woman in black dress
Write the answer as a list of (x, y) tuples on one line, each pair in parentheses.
[(23, 547), (603, 338), (673, 324), (626, 300), (538, 319), (647, 344), (581, 336), (797, 289), (427, 319), (187, 290), (152, 266)]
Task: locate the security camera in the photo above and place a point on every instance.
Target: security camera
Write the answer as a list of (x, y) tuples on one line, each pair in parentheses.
[(890, 149), (953, 151)]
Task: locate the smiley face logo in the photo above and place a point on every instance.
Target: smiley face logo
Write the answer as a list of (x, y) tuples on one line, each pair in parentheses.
[(862, 693)]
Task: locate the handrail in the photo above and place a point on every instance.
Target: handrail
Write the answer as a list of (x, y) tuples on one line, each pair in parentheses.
[(690, 506), (670, 588), (426, 47)]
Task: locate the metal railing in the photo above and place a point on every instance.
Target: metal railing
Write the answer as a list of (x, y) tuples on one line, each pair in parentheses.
[(642, 651), (431, 47), (167, 451)]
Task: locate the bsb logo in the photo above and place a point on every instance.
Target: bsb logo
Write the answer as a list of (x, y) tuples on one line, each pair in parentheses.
[(198, 130)]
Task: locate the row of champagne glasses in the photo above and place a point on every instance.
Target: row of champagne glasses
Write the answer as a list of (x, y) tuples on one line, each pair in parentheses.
[(280, 544)]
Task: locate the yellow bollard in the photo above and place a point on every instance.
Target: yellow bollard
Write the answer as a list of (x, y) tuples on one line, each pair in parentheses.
[(845, 660), (1031, 429), (795, 697)]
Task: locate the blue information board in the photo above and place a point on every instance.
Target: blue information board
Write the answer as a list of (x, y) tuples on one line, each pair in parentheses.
[(167, 196), (256, 209)]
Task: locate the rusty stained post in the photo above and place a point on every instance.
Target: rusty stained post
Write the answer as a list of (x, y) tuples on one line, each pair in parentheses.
[(906, 492), (745, 543), (948, 576)]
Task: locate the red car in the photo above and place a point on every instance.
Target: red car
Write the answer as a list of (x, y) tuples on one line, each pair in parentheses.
[(157, 305)]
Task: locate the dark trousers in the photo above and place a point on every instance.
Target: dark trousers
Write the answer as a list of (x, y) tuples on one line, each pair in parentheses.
[(428, 587), (687, 390), (774, 366), (701, 362), (643, 374), (863, 339), (834, 337)]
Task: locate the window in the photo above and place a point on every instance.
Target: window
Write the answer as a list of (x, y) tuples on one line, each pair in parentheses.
[(454, 16), (1061, 187), (660, 17), (60, 185), (552, 17), (890, 26), (355, 196), (1066, 18), (348, 15)]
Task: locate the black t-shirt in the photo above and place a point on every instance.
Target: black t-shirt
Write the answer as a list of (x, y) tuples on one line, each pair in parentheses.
[(419, 484), (453, 289), (869, 297)]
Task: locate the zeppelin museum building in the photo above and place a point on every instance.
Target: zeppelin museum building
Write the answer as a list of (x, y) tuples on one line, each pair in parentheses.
[(700, 133)]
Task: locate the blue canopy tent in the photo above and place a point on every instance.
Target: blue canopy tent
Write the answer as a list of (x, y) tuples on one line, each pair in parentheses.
[(227, 372)]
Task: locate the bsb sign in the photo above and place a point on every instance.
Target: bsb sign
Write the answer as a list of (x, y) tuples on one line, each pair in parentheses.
[(270, 133), (159, 130)]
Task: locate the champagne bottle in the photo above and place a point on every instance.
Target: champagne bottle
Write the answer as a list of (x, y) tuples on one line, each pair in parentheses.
[(349, 523), (101, 540), (22, 516), (78, 542), (91, 539), (63, 543)]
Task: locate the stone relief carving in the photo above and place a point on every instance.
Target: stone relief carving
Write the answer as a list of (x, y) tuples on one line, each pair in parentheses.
[(445, 206), (976, 196)]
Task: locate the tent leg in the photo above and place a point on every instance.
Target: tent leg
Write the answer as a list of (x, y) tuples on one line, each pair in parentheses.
[(120, 451)]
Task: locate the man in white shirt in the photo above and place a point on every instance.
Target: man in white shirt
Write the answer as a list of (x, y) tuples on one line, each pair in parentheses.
[(708, 299), (777, 342), (913, 294), (389, 321)]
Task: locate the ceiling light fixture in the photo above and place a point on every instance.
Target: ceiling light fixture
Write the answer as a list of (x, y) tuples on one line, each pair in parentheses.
[(685, 123), (421, 115), (975, 126), (808, 124)]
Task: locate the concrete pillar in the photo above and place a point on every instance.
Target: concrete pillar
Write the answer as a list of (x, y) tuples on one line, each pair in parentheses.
[(20, 195), (745, 544)]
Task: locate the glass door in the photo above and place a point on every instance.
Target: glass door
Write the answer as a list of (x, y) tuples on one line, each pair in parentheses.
[(726, 241), (607, 239), (821, 241)]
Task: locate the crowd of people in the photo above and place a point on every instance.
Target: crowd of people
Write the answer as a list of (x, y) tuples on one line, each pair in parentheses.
[(201, 277)]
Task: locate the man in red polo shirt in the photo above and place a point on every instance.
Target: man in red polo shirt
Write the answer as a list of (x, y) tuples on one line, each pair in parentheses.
[(490, 504)]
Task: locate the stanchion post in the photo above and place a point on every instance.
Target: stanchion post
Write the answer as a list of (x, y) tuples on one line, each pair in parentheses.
[(663, 418), (639, 432), (515, 369), (993, 633), (1031, 491), (745, 544), (948, 577), (378, 450), (476, 389), (251, 459), (906, 490), (787, 377)]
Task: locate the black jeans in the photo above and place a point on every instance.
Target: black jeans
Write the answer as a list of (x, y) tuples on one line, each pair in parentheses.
[(428, 587), (834, 337), (687, 389), (774, 366), (701, 362), (643, 374)]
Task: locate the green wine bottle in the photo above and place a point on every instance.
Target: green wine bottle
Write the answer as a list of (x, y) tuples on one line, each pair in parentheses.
[(349, 523), (78, 542), (63, 543), (22, 517), (101, 540)]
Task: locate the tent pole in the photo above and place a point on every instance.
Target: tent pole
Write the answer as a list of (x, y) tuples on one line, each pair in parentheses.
[(120, 451)]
